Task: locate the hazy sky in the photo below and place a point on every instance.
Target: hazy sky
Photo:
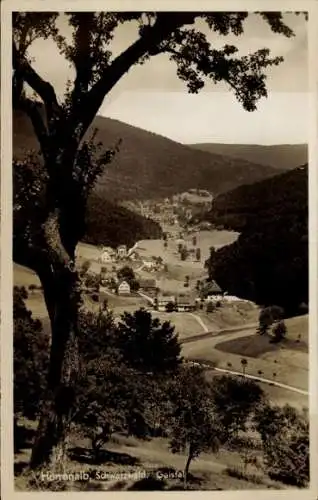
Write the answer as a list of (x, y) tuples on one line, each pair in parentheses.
[(150, 96)]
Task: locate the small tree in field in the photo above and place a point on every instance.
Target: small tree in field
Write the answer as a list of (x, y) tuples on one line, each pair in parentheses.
[(85, 267), (184, 253), (244, 364), (279, 331), (210, 307), (192, 425), (198, 254), (268, 316)]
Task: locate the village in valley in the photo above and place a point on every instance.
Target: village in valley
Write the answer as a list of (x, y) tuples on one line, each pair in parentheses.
[(166, 275)]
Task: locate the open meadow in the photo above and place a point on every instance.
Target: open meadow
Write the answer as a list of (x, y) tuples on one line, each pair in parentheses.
[(286, 362)]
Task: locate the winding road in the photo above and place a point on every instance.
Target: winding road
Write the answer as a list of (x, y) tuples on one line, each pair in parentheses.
[(223, 335), (253, 377)]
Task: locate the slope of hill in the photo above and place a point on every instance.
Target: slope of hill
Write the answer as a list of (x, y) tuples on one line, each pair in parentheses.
[(110, 224), (269, 261), (281, 156), (283, 194), (106, 222), (151, 166)]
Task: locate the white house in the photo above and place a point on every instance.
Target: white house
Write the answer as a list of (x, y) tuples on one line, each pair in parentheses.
[(124, 288), (149, 265), (107, 256)]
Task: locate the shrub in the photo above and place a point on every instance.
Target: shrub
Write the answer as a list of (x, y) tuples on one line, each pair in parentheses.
[(146, 343), (209, 307), (285, 438), (279, 331), (30, 346), (170, 307)]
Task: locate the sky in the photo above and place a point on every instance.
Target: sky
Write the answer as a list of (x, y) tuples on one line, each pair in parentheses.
[(151, 97)]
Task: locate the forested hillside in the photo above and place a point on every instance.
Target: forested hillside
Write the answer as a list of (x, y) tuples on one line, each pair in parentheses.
[(151, 166), (280, 156), (269, 262)]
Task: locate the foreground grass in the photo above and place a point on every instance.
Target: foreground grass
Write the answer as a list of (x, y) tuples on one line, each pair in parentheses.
[(131, 464)]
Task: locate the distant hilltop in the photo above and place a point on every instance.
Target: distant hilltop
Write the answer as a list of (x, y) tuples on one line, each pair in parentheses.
[(151, 166), (281, 156)]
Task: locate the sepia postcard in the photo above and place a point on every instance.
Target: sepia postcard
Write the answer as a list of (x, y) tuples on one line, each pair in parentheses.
[(159, 248)]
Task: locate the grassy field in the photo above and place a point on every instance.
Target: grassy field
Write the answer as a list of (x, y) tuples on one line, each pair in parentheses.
[(231, 314), (22, 276), (205, 239), (277, 395), (185, 324), (288, 361), (172, 281)]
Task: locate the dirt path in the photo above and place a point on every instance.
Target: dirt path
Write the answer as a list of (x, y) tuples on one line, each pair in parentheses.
[(264, 380), (200, 321)]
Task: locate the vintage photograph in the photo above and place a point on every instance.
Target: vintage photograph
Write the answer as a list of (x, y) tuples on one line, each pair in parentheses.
[(160, 250)]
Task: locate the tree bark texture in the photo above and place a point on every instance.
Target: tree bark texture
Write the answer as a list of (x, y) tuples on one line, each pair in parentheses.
[(60, 286)]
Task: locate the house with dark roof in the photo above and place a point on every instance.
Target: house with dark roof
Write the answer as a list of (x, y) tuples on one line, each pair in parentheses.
[(210, 288), (184, 304), (163, 301), (147, 285)]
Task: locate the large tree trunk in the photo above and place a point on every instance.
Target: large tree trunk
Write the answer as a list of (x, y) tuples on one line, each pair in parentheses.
[(60, 285)]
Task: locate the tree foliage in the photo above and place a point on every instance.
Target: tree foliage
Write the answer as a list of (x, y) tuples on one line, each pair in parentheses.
[(30, 351), (147, 344), (269, 261), (235, 400), (193, 426), (279, 331), (267, 316), (285, 437)]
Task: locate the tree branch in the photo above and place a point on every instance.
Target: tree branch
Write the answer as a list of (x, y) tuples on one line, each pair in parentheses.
[(164, 26), (31, 77), (32, 109), (83, 58)]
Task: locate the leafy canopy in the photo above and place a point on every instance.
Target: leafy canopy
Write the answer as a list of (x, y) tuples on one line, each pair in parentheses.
[(181, 35)]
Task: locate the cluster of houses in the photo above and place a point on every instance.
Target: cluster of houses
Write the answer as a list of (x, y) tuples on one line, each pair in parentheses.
[(164, 303), (210, 292), (122, 287), (109, 255)]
